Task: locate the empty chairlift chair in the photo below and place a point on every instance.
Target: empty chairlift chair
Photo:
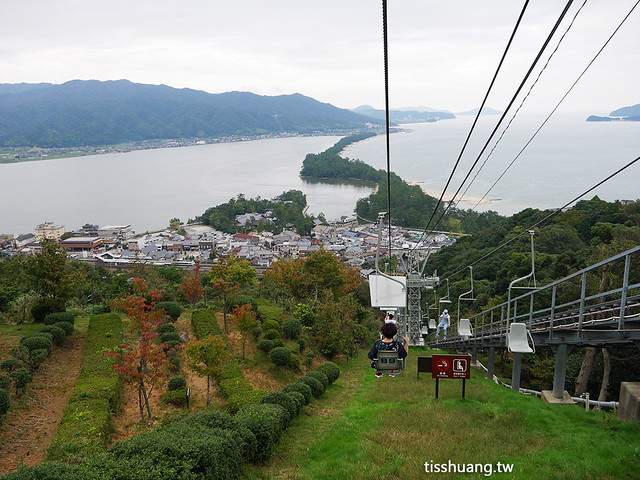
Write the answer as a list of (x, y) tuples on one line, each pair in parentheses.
[(519, 339), (432, 324), (464, 328), (387, 362)]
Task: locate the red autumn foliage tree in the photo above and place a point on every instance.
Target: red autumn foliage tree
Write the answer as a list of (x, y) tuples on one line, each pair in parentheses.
[(192, 286), (142, 361)]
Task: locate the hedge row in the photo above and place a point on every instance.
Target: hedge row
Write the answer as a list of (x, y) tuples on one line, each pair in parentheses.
[(86, 422), (205, 323)]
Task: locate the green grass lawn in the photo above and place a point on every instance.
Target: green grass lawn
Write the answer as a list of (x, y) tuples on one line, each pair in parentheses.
[(369, 428)]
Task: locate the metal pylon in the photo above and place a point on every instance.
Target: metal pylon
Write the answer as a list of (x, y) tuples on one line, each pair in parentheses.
[(411, 324)]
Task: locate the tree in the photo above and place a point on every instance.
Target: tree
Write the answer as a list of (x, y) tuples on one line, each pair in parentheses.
[(143, 361), (228, 275), (52, 275), (246, 320), (192, 286), (208, 357)]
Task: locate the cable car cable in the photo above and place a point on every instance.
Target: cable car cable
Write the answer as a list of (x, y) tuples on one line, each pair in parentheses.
[(386, 109), (513, 99)]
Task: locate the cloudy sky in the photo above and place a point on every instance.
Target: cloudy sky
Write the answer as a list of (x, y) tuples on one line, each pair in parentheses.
[(442, 53)]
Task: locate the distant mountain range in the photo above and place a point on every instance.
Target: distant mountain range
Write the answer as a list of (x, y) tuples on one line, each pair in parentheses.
[(485, 111), (93, 112), (403, 115), (631, 113)]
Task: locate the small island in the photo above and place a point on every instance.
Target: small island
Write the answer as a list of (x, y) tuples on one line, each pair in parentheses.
[(628, 114)]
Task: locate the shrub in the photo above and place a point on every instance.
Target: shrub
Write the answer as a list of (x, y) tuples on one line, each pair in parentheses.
[(331, 370), (265, 421), (177, 452), (294, 363), (298, 398), (37, 358), (37, 342), (316, 387), (231, 386), (5, 402), (281, 356), (166, 328), (66, 326), (277, 342), (308, 358), (321, 377), (56, 317), (43, 307), (303, 344), (246, 299), (59, 335), (292, 328), (177, 397), (11, 364), (255, 333), (52, 471), (302, 388), (171, 344), (204, 322), (176, 383), (21, 378), (270, 312), (282, 399), (5, 381), (168, 337), (266, 346), (270, 325), (271, 334), (172, 309), (240, 400)]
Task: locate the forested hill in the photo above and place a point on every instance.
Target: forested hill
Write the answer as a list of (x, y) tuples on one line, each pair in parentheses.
[(631, 113), (591, 231), (105, 113)]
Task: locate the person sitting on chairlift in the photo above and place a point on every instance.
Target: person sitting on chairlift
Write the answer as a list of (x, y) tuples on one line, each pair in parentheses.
[(389, 330), (445, 321)]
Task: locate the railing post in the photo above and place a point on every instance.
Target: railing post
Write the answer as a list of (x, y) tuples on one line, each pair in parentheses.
[(583, 294), (491, 362), (625, 288), (553, 311), (515, 373), (531, 307)]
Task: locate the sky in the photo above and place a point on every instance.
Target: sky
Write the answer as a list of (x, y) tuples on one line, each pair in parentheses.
[(442, 54)]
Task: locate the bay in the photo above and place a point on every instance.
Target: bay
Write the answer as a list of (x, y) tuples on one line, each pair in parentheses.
[(566, 158), (147, 188)]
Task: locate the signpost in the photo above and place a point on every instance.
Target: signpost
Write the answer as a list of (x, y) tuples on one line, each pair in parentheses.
[(451, 366)]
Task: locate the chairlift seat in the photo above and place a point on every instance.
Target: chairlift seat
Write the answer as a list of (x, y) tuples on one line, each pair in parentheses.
[(388, 361), (464, 328), (432, 324), (424, 330), (518, 339)]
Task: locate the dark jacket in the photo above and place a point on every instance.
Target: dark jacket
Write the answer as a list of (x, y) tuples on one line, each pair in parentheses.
[(380, 345)]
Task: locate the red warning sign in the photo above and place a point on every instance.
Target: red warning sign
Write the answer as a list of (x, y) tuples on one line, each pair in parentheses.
[(451, 366)]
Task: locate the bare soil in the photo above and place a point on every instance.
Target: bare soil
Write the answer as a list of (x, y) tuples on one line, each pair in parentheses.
[(33, 419)]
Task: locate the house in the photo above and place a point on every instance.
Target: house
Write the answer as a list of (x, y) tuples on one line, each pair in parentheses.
[(117, 232), (23, 240), (50, 231), (81, 244)]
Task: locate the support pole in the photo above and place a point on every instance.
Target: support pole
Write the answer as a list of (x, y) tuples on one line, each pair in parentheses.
[(491, 362), (517, 369), (562, 353), (474, 355)]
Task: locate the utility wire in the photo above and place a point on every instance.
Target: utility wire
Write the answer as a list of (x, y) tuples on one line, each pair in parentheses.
[(486, 96), (504, 244), (519, 107), (513, 99), (553, 111)]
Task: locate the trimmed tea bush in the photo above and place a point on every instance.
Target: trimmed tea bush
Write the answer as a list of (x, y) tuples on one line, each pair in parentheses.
[(280, 356), (266, 423), (271, 334), (172, 309), (177, 397), (321, 377), (5, 401), (204, 322), (66, 326), (21, 378), (176, 383), (331, 370), (270, 312), (292, 328), (316, 387), (37, 342), (57, 317), (302, 388), (52, 471), (166, 328), (231, 386), (303, 344), (282, 399), (59, 335), (266, 346), (298, 398), (294, 363), (5, 381), (270, 325), (170, 337), (11, 364), (277, 342), (239, 400), (37, 358)]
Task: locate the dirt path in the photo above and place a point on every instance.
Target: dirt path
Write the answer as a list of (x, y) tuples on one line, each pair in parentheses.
[(33, 420)]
